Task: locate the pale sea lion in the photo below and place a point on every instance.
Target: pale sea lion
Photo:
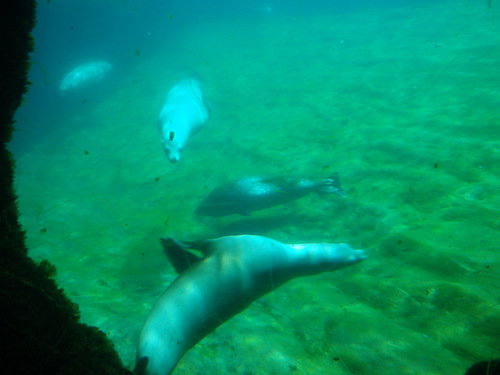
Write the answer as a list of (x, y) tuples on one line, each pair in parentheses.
[(235, 271), (85, 74), (256, 193), (182, 115)]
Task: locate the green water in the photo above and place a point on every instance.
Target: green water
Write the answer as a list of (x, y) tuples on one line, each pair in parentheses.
[(409, 119)]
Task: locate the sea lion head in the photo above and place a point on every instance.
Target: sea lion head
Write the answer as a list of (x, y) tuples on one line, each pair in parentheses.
[(172, 147)]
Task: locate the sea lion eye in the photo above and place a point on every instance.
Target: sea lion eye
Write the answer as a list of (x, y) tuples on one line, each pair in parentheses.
[(171, 136)]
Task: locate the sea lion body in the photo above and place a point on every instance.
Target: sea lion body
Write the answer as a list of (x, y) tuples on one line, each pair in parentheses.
[(182, 115), (85, 74), (236, 271), (256, 193)]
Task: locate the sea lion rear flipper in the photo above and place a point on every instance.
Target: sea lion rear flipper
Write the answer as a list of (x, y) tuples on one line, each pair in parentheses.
[(336, 184), (332, 185)]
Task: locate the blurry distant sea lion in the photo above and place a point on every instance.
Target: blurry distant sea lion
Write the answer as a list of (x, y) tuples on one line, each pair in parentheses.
[(255, 193), (234, 272), (182, 115), (84, 74)]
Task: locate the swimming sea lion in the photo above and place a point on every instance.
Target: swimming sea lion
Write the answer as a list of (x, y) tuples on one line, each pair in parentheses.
[(182, 115), (235, 271), (256, 193), (84, 74)]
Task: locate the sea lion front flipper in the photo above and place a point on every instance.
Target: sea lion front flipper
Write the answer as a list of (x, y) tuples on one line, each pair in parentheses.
[(178, 254), (206, 247)]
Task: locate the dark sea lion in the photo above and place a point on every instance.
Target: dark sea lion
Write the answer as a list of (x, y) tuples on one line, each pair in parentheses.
[(257, 193), (235, 271)]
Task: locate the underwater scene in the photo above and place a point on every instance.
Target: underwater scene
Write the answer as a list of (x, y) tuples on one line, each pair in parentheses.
[(373, 124)]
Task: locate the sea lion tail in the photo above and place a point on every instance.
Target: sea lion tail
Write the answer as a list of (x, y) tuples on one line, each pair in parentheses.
[(332, 185)]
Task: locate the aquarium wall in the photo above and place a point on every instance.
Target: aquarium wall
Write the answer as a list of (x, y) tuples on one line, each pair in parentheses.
[(40, 328)]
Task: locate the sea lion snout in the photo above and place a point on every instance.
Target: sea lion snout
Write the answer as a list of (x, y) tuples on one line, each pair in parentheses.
[(358, 256), (174, 157), (172, 150), (345, 253)]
